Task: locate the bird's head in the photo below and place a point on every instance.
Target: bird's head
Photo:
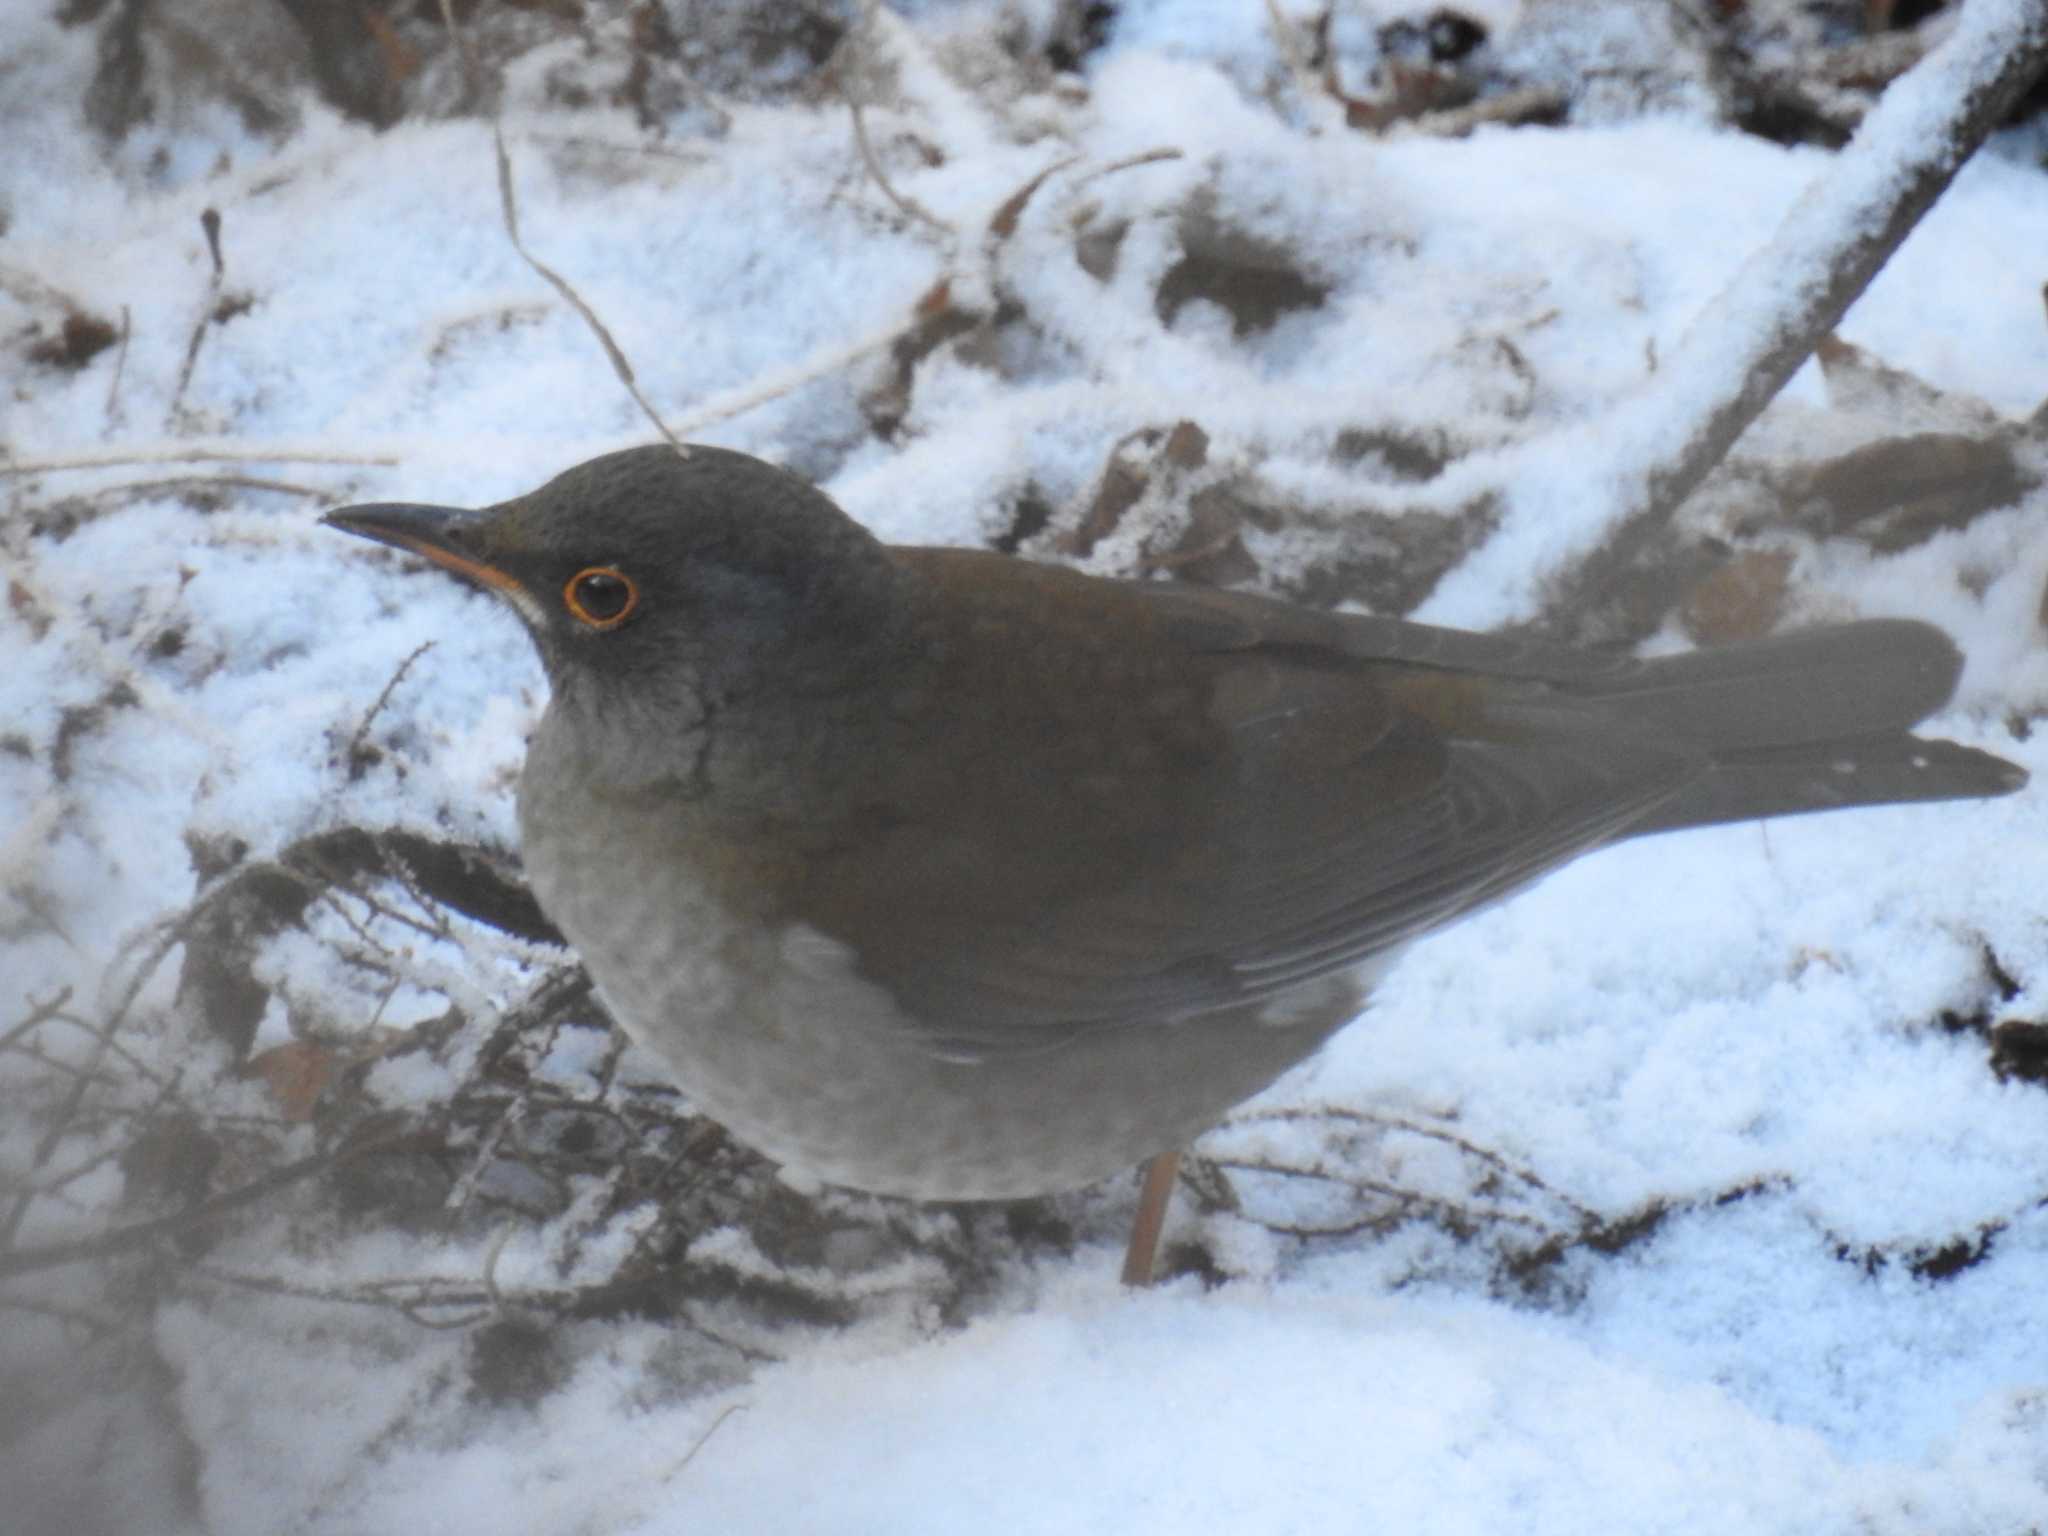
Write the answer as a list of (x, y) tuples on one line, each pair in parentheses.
[(646, 572)]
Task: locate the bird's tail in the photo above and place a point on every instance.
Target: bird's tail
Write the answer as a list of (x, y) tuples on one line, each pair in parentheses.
[(1814, 721)]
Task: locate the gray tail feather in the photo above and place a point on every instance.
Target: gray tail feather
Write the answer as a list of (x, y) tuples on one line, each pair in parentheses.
[(1828, 776), (1807, 722), (1820, 685)]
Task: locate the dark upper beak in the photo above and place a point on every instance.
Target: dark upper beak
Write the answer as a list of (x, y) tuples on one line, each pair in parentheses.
[(448, 536)]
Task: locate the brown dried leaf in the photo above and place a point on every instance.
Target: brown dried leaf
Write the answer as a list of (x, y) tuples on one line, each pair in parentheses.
[(296, 1073), (1900, 491), (1741, 600)]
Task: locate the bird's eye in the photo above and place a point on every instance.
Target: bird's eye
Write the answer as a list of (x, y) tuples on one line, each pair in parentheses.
[(602, 597)]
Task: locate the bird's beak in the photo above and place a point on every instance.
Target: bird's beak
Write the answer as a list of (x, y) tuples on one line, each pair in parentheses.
[(451, 537), (444, 535)]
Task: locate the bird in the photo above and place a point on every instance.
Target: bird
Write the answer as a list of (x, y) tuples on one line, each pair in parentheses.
[(950, 875)]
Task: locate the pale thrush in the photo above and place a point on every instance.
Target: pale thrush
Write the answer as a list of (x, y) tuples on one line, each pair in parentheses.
[(943, 874)]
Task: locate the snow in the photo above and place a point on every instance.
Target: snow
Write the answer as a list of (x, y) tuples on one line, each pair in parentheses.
[(1723, 339), (1720, 1052)]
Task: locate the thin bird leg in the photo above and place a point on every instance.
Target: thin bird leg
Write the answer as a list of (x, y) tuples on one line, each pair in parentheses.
[(1160, 1174)]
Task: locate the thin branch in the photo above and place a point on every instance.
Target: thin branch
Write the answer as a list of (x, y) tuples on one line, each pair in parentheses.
[(1526, 104), (1406, 1199), (411, 1299), (355, 743), (134, 489), (590, 145), (34, 1051), (395, 865), (826, 360), (47, 1144), (210, 222), (120, 367), (1315, 101), (31, 291), (330, 897), (704, 1439), (508, 207), (1449, 1138), (141, 1234), (38, 1013), (1744, 347), (98, 1326), (1129, 163), (57, 1183), (86, 1026), (226, 453), (1909, 164), (464, 1188), (492, 1254), (910, 206)]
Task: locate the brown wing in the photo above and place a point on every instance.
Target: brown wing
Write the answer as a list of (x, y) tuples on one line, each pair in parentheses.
[(1273, 795)]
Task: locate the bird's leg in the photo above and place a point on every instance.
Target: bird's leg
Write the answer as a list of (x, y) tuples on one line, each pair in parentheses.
[(1160, 1174)]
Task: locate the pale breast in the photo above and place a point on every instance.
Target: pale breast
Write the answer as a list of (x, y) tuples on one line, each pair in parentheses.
[(775, 1033)]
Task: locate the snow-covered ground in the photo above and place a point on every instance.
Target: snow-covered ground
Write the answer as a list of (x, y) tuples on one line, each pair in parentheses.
[(1682, 1193)]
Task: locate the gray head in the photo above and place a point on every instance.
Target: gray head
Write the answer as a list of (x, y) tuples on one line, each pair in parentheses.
[(666, 590), (644, 568)]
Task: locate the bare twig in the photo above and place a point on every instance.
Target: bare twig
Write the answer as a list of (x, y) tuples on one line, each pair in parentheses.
[(436, 913), (120, 366), (1527, 104), (704, 1439), (61, 1015), (210, 223), (355, 743), (1909, 164), (763, 388), (136, 489), (34, 1051), (1002, 224), (1130, 163), (465, 1187), (1431, 1132), (595, 146), (141, 1234), (508, 207), (1750, 341), (38, 1013), (167, 939), (57, 1183), (410, 1298), (491, 1257), (225, 453), (99, 1326), (1406, 1199), (910, 206), (19, 850), (46, 1148), (1315, 101), (330, 896), (31, 291), (415, 1298)]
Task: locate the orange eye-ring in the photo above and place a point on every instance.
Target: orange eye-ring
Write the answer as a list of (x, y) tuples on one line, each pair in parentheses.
[(601, 596)]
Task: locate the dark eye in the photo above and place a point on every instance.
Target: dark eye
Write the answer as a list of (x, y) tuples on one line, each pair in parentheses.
[(602, 597)]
